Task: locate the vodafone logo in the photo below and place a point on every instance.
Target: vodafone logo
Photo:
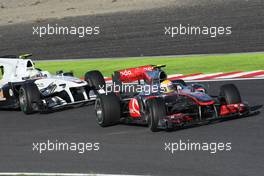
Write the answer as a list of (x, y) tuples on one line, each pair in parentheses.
[(125, 73), (148, 68)]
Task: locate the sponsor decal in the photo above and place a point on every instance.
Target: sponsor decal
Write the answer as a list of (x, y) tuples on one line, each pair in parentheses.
[(11, 93), (2, 97), (134, 108), (125, 73), (40, 84), (150, 68)]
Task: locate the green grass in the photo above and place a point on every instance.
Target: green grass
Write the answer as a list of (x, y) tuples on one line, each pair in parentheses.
[(183, 65)]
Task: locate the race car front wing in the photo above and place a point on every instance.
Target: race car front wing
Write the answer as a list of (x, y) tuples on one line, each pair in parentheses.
[(184, 119)]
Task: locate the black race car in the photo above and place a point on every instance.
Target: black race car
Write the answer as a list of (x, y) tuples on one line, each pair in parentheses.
[(167, 107)]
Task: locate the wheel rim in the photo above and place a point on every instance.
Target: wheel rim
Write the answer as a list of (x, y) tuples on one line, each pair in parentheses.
[(22, 100), (99, 112)]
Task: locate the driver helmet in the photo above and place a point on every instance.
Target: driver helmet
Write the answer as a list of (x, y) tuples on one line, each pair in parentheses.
[(167, 86)]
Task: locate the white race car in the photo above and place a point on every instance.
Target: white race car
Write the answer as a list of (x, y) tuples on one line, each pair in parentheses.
[(32, 90)]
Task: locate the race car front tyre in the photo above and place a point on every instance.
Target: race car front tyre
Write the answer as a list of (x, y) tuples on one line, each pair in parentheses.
[(230, 93), (108, 109), (95, 79), (29, 97), (157, 110)]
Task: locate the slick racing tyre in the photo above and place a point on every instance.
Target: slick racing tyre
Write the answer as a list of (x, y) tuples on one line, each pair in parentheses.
[(108, 109), (230, 93), (157, 110), (95, 79), (29, 97)]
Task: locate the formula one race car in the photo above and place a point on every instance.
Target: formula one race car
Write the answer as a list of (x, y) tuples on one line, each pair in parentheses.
[(164, 104), (32, 90)]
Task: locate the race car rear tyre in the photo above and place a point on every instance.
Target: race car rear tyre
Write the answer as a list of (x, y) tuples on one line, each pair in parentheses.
[(230, 93), (95, 79), (108, 109), (29, 97), (157, 110)]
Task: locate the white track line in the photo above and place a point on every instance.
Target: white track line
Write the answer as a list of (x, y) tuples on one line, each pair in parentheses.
[(201, 76), (174, 75), (54, 174), (259, 76), (237, 75), (230, 79), (233, 77)]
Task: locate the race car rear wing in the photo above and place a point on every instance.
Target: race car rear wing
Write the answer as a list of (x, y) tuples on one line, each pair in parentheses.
[(146, 73)]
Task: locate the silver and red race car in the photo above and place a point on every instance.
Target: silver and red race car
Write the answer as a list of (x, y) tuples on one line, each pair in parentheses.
[(144, 95)]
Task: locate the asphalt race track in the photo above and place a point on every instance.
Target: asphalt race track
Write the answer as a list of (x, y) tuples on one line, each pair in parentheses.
[(128, 149), (133, 149), (141, 33)]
